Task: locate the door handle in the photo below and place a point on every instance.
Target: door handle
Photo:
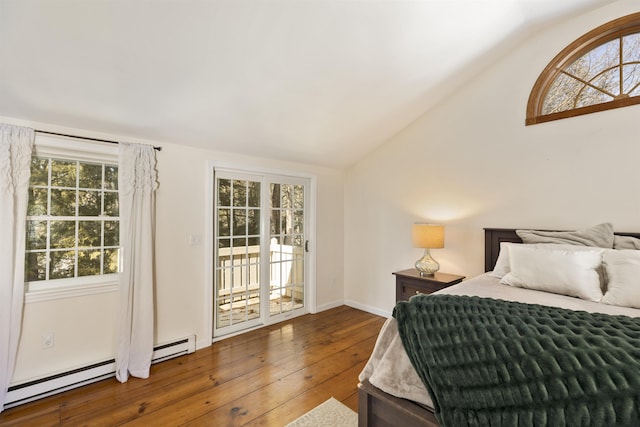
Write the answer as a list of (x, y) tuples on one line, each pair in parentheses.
[(306, 246)]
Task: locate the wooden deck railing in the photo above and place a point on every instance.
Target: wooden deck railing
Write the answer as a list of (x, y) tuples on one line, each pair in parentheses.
[(239, 268)]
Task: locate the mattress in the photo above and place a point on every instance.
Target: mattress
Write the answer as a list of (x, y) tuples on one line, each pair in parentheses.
[(389, 368)]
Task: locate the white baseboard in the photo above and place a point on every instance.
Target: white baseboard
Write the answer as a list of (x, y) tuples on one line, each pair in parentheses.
[(353, 304), (203, 343), (36, 389), (368, 309), (329, 305)]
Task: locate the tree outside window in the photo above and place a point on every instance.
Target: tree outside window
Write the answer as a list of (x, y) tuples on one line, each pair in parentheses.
[(72, 227)]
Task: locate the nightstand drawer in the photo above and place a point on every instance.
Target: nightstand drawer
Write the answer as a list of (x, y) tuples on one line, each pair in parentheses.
[(409, 288), (410, 283)]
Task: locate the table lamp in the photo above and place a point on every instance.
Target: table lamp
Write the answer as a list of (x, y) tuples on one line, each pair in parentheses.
[(427, 236)]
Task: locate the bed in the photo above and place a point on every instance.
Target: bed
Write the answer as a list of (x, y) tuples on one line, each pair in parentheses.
[(397, 396)]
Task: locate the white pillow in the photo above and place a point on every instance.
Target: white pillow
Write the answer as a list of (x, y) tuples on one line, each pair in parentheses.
[(623, 271), (503, 263), (556, 270), (625, 242)]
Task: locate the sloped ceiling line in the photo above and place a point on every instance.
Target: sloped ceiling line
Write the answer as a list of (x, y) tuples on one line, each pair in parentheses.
[(317, 81)]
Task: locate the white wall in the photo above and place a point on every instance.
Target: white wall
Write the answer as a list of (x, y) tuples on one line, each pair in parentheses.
[(471, 163), (84, 327), (182, 211)]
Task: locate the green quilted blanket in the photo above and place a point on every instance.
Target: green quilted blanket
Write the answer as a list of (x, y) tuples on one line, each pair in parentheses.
[(489, 362)]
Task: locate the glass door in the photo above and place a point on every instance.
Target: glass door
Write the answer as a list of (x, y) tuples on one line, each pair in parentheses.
[(259, 249), (238, 248), (286, 248)]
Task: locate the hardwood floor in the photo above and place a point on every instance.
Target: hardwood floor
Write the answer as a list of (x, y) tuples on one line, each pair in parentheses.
[(266, 377)]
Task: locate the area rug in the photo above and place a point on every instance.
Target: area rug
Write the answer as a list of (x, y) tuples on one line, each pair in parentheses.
[(331, 413)]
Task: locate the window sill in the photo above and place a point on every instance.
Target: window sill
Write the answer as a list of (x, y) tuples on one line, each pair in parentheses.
[(70, 291)]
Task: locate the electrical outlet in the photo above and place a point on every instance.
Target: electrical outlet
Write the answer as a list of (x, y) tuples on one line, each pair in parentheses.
[(48, 340)]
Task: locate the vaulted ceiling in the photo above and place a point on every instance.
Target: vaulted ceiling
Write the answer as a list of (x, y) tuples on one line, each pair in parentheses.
[(314, 81)]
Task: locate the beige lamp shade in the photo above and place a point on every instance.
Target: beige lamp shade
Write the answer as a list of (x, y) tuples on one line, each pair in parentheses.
[(428, 236)]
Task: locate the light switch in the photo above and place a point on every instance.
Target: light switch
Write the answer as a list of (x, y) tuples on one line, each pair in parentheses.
[(195, 240)]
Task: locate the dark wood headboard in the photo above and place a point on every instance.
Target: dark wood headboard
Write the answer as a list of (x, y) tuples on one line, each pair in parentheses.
[(494, 236)]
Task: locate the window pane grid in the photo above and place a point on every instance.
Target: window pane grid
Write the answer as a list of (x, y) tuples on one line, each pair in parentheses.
[(287, 244), (237, 225), (81, 221), (596, 72)]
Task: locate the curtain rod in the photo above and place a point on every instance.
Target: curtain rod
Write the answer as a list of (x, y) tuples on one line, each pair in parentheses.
[(84, 137)]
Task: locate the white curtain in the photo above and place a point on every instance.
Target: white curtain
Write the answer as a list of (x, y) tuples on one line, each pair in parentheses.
[(15, 158), (137, 183)]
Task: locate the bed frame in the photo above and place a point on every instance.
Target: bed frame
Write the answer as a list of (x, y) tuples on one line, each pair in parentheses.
[(379, 409)]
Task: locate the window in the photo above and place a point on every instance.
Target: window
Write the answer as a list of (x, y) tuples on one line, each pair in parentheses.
[(599, 71), (73, 224)]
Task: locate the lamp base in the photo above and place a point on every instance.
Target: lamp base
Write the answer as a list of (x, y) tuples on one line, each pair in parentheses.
[(427, 265)]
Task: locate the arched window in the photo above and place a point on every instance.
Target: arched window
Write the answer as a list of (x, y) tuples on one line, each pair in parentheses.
[(599, 71)]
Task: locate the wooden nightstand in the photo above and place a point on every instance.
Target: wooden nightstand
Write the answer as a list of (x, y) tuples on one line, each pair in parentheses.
[(410, 282)]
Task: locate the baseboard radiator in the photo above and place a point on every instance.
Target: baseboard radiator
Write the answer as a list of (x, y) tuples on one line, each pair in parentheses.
[(47, 386)]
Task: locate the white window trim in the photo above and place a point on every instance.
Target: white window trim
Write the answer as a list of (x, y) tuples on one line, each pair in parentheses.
[(52, 291), (69, 148), (82, 150)]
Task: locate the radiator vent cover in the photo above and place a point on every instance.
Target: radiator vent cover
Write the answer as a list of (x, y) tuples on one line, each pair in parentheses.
[(53, 384)]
